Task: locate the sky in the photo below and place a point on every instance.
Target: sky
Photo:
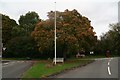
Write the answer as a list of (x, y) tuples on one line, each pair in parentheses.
[(101, 13)]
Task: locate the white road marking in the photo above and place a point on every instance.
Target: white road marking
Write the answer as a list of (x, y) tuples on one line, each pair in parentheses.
[(108, 63), (109, 70), (11, 63), (5, 63), (110, 60)]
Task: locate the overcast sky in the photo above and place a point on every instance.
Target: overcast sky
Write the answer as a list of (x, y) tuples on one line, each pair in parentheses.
[(100, 12)]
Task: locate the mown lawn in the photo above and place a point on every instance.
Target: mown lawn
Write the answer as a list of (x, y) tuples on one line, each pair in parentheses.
[(43, 69)]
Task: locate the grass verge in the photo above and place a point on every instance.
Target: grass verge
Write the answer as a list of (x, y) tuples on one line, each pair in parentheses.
[(43, 69)]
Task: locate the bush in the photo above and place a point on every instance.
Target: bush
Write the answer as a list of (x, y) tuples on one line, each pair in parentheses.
[(20, 47)]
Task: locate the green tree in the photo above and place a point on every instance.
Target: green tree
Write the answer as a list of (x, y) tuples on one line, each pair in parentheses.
[(21, 43), (22, 30), (7, 25), (115, 33), (111, 39), (26, 24), (29, 18)]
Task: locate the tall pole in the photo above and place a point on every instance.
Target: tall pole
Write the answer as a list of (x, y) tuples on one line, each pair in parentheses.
[(55, 33)]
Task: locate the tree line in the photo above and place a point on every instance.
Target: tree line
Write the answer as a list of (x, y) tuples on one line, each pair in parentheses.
[(17, 38), (34, 37), (111, 40)]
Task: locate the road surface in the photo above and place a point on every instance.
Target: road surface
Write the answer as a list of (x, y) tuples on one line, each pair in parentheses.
[(0, 69), (100, 68), (14, 69)]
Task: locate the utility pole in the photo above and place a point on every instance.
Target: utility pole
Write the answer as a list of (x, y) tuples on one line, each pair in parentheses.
[(55, 33)]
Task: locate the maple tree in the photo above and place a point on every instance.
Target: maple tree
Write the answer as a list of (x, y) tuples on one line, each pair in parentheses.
[(74, 32)]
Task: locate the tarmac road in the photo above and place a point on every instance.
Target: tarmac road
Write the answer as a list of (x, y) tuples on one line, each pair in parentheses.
[(14, 69), (101, 68)]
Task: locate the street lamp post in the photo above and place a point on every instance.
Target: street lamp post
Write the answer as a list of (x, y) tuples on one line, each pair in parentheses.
[(55, 33)]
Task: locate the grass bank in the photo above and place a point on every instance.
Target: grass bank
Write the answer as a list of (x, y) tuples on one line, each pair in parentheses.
[(43, 69)]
